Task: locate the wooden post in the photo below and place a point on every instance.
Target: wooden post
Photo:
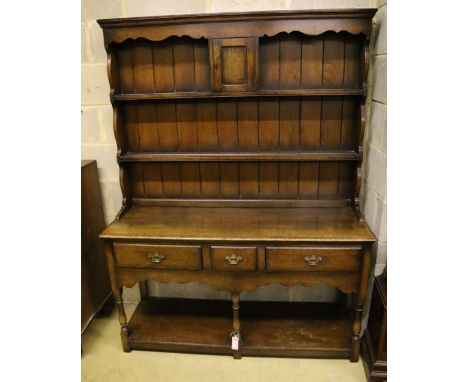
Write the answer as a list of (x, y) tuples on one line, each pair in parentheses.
[(361, 297), (143, 285), (237, 354), (117, 292)]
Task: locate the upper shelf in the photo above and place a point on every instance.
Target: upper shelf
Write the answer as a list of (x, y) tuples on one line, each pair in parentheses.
[(261, 93), (286, 65), (240, 156)]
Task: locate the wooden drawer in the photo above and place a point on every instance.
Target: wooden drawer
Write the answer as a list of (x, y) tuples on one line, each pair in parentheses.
[(345, 259), (158, 256), (233, 258)]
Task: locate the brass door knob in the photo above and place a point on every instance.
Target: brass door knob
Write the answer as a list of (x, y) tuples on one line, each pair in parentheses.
[(313, 260), (234, 259), (156, 257)]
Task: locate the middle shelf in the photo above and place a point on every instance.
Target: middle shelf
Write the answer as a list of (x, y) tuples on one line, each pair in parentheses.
[(239, 156), (258, 93)]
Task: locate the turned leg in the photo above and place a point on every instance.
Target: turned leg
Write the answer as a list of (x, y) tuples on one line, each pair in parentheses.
[(236, 323), (117, 292), (359, 305), (123, 322), (143, 285)]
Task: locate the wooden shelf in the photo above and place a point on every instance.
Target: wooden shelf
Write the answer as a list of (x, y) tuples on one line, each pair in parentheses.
[(256, 224), (181, 325), (267, 328), (244, 156), (270, 93)]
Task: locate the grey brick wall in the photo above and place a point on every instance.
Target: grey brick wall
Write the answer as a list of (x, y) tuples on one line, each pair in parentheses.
[(374, 194)]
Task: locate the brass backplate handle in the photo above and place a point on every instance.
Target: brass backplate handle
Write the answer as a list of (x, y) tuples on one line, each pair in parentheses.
[(234, 259), (313, 260), (156, 257)]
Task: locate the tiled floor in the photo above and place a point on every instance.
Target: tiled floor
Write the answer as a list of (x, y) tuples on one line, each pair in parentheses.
[(104, 360)]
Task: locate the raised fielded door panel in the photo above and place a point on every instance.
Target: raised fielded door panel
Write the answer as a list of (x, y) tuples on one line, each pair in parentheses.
[(234, 64)]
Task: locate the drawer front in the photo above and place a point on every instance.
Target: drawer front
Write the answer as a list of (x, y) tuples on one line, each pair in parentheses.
[(344, 259), (158, 256), (233, 258)]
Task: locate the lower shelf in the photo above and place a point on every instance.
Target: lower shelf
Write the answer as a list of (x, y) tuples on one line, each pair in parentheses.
[(267, 328)]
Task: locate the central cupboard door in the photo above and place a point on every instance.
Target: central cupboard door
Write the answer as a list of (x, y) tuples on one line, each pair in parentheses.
[(234, 64)]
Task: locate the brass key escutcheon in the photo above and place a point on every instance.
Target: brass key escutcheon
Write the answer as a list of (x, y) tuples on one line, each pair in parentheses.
[(233, 259), (156, 257), (313, 260)]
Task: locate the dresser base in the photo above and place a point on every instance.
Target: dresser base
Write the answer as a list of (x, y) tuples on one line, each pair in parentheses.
[(267, 328)]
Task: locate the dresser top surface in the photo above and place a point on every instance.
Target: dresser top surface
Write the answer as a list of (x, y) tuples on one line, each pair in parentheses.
[(240, 224)]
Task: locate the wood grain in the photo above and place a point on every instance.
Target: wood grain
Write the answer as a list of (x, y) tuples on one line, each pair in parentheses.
[(343, 259), (310, 329), (173, 256), (244, 224), (163, 59), (206, 116), (95, 284), (142, 59), (184, 64), (333, 61), (240, 135), (324, 180), (147, 128), (290, 64), (248, 258)]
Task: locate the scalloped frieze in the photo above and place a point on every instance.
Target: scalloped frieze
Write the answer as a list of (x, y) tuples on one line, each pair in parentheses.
[(200, 36), (234, 282), (210, 30)]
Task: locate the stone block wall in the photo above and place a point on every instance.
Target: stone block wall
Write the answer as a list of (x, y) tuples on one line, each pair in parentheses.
[(374, 187)]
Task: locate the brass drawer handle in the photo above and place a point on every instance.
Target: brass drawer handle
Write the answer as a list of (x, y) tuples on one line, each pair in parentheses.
[(234, 259), (156, 257), (313, 260)]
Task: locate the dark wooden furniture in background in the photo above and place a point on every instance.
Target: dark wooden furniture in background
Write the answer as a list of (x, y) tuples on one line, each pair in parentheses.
[(240, 146), (96, 294), (374, 344)]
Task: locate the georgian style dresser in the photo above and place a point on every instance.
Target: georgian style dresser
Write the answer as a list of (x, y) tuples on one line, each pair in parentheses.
[(240, 147)]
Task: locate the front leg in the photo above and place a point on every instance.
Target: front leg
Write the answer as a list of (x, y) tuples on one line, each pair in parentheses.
[(237, 354), (117, 292)]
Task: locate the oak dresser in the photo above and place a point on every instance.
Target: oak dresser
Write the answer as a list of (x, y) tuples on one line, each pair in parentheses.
[(240, 147)]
